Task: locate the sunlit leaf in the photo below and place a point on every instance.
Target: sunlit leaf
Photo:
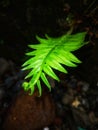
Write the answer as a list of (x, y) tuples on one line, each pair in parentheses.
[(43, 77), (50, 54), (39, 87), (48, 70)]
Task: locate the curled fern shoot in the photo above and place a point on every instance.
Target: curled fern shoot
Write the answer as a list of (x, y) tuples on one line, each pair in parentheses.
[(49, 55)]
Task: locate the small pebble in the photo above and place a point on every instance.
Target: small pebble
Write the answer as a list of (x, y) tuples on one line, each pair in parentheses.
[(46, 128)]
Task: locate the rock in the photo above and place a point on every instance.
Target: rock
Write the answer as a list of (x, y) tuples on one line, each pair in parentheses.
[(30, 112), (68, 97)]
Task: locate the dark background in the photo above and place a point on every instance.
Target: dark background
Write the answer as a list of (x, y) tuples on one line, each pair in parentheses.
[(22, 20)]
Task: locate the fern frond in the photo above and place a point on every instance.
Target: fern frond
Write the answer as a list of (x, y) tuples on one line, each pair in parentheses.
[(50, 54)]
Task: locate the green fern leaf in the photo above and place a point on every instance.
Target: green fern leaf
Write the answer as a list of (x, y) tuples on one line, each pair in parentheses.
[(50, 54)]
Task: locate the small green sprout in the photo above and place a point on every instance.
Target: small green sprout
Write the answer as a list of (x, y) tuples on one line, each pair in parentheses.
[(50, 54)]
